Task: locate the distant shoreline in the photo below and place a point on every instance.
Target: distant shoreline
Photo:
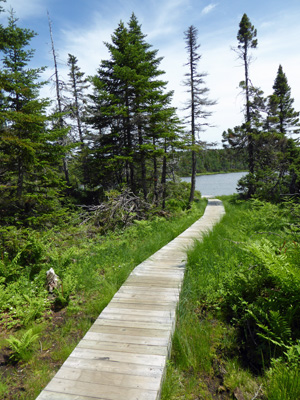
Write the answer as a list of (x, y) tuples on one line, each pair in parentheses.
[(214, 173)]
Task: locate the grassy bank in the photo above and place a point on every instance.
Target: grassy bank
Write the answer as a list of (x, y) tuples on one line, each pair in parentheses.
[(38, 329), (237, 334)]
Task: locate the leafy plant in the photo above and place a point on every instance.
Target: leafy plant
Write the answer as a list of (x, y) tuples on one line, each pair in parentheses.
[(21, 348)]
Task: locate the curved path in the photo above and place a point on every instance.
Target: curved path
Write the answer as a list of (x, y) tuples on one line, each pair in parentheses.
[(123, 355)]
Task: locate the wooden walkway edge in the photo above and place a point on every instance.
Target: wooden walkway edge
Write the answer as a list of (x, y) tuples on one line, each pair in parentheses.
[(123, 355)]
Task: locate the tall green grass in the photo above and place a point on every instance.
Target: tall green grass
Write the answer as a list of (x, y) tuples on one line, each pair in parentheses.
[(240, 301)]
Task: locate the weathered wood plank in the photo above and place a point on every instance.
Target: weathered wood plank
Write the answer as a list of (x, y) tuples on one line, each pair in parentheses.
[(144, 332), (136, 318), (115, 367), (133, 324), (163, 304), (109, 378), (121, 303), (114, 309), (105, 392), (128, 339), (158, 297), (118, 356), (123, 347), (47, 395)]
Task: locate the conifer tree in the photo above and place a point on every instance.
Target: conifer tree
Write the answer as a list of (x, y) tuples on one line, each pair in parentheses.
[(198, 102), (59, 104), (28, 154), (282, 121), (283, 118), (247, 40), (76, 103), (128, 97)]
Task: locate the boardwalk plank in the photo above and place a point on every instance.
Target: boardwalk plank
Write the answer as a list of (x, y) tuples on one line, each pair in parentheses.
[(109, 378), (133, 324), (115, 367), (108, 392), (123, 347), (128, 339), (118, 356)]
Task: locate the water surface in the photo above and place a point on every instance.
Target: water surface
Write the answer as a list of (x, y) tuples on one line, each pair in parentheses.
[(217, 184)]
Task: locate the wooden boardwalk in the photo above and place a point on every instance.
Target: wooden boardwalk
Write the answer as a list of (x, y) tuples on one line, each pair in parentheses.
[(123, 355)]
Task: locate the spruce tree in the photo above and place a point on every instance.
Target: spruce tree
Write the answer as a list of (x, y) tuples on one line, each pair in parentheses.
[(128, 97), (282, 121), (60, 123), (246, 41), (29, 180), (76, 102), (283, 118), (198, 102)]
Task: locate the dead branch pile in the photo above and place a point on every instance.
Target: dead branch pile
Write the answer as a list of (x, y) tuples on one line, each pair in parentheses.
[(119, 210)]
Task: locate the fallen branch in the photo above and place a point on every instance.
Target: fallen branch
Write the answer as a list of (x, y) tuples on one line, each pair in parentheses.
[(121, 209), (257, 393)]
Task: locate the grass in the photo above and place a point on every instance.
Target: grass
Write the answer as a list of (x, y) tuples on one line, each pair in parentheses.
[(92, 268), (283, 382), (236, 334)]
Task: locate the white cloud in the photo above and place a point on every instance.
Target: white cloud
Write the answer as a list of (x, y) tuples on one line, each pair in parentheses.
[(26, 8), (208, 9), (165, 19)]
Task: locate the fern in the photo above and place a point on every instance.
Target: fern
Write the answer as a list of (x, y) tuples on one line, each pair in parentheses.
[(21, 347)]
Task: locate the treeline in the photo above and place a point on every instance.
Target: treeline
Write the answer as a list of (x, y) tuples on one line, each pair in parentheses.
[(212, 160)]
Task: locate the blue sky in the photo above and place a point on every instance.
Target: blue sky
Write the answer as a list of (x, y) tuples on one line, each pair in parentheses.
[(81, 26)]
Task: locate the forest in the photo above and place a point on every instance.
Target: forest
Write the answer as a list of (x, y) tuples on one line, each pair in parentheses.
[(89, 186), (212, 161)]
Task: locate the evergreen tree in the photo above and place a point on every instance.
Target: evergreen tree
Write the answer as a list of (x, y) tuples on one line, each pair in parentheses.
[(128, 103), (198, 102), (283, 120), (247, 40), (28, 154), (59, 105), (76, 102), (282, 116), (110, 114)]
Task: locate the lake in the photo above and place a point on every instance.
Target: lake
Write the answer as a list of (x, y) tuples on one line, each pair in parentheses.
[(217, 184)]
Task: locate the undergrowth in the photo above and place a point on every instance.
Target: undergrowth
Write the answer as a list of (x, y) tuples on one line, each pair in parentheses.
[(238, 333), (40, 329)]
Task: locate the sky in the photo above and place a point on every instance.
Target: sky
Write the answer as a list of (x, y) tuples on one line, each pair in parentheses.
[(81, 28)]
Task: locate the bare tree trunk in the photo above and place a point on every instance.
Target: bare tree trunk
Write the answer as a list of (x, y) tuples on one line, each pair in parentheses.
[(155, 174), (164, 178), (59, 102), (193, 133), (20, 183), (248, 124), (143, 164)]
